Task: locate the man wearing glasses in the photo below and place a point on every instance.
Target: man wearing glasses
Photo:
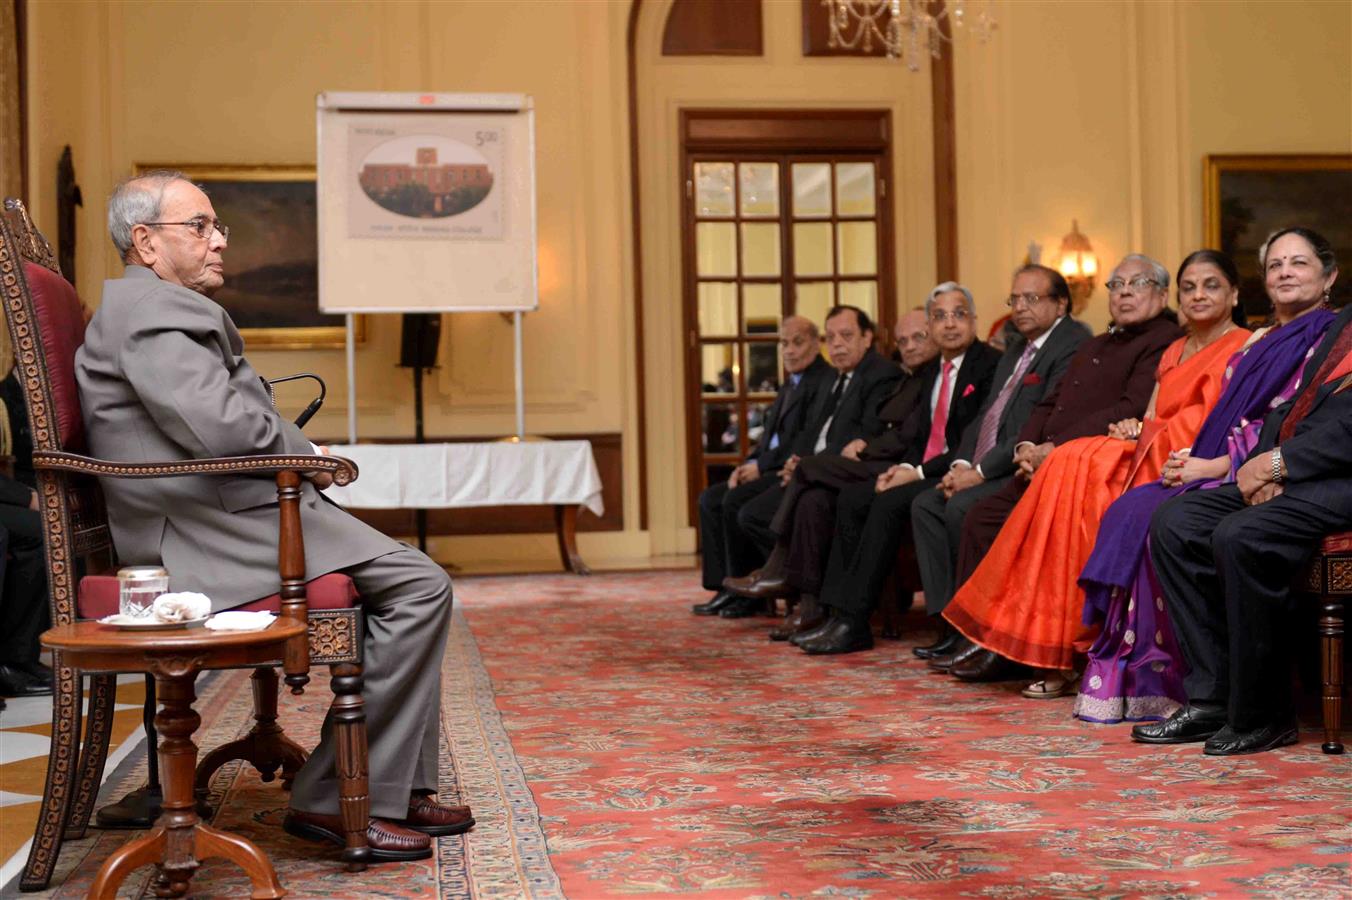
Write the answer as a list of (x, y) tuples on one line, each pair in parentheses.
[(162, 376), (1110, 378)]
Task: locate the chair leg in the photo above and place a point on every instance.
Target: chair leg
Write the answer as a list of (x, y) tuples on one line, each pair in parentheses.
[(265, 747), (354, 802), (61, 761), (1331, 666), (98, 733)]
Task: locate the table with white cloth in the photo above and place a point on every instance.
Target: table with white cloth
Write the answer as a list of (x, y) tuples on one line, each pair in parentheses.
[(561, 474)]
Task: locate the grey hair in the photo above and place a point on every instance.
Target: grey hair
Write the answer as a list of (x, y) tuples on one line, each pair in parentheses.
[(135, 201), (1157, 271), (945, 288)]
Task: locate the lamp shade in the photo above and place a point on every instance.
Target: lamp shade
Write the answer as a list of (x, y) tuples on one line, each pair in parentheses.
[(1077, 254)]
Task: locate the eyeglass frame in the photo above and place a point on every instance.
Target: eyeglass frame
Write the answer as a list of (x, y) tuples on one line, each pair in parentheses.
[(1138, 283), (1028, 300), (961, 314), (199, 223)]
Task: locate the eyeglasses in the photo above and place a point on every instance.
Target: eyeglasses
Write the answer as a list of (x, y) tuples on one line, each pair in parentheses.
[(1029, 300), (1139, 283), (957, 315), (201, 226)]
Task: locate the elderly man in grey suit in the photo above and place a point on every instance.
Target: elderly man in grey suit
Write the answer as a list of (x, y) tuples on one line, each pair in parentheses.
[(162, 376)]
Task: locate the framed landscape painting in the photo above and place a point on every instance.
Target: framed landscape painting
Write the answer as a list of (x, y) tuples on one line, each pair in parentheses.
[(272, 264), (1247, 197)]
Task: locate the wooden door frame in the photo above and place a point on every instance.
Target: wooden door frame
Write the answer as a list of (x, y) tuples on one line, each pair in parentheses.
[(747, 134)]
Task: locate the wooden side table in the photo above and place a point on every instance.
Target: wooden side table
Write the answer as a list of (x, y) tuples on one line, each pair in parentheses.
[(180, 840)]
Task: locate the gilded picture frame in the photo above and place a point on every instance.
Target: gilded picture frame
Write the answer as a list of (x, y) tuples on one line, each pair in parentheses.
[(272, 263), (1248, 196)]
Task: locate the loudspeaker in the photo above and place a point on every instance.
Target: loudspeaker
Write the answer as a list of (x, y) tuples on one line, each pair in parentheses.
[(419, 340)]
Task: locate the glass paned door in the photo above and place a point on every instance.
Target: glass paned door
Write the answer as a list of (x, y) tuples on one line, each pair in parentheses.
[(768, 237)]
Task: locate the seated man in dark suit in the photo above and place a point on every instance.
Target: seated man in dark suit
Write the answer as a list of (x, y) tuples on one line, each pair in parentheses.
[(1227, 557), (1047, 337), (1110, 378), (925, 418), (24, 613), (726, 550), (846, 413)]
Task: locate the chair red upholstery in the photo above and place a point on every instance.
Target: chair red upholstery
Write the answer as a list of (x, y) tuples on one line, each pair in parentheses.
[(1337, 543), (61, 327), (98, 596)]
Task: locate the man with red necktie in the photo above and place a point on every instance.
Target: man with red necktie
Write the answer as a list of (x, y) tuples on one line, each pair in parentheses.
[(937, 406)]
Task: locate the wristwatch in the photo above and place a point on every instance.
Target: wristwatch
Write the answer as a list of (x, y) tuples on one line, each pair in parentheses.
[(1276, 457)]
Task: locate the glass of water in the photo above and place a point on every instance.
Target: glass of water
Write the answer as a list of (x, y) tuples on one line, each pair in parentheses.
[(138, 586)]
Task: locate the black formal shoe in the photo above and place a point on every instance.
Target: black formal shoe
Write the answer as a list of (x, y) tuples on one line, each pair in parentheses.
[(15, 682), (40, 671), (842, 635), (714, 604), (810, 631), (963, 651), (1194, 722), (987, 666), (740, 608), (1231, 742), (946, 643)]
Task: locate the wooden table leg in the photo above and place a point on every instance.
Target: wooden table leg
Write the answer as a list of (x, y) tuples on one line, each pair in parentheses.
[(565, 528), (180, 840)]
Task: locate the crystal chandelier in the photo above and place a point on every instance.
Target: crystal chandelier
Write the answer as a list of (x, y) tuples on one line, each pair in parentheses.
[(905, 28)]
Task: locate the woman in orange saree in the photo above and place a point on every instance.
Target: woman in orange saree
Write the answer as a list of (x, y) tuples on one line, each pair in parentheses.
[(1023, 601)]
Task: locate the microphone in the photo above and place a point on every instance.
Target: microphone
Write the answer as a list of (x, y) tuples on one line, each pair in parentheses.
[(308, 413)]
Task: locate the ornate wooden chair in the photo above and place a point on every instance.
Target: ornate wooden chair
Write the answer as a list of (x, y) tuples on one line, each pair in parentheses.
[(46, 322), (1330, 579)]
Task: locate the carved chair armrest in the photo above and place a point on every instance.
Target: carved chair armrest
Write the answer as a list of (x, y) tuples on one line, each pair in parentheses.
[(291, 543), (344, 471)]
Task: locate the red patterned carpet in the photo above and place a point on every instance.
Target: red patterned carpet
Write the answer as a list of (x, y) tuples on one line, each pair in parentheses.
[(613, 745)]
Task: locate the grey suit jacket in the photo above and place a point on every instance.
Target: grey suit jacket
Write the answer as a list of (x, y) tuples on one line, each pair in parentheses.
[(162, 376), (1048, 365)]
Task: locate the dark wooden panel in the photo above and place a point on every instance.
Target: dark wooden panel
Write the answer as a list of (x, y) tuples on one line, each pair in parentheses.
[(817, 34), (792, 130), (713, 28), (635, 223), (945, 155), (606, 448)]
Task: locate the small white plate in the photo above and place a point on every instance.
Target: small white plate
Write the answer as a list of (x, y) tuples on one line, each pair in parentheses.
[(127, 623)]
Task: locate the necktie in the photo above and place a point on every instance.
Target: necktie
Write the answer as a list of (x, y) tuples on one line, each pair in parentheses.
[(939, 423), (1341, 347), (990, 423), (836, 393)]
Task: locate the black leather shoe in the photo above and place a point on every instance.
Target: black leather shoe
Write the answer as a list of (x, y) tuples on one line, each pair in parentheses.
[(964, 651), (1230, 742), (987, 666), (1194, 722), (946, 643), (842, 635), (15, 682), (40, 671), (714, 604), (811, 631), (740, 608)]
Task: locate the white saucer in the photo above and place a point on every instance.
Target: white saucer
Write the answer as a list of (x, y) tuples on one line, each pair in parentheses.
[(127, 623)]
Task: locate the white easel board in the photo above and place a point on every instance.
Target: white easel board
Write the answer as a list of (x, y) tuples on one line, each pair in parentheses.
[(426, 202)]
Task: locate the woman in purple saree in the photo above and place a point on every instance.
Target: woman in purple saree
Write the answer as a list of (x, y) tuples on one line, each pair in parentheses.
[(1135, 667)]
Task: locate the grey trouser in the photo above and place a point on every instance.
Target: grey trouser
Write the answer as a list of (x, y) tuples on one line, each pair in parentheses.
[(407, 601), (936, 525)]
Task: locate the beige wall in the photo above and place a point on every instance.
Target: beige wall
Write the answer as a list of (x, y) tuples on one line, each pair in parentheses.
[(1099, 110)]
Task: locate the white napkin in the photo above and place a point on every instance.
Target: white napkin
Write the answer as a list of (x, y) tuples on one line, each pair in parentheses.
[(182, 606), (238, 620)]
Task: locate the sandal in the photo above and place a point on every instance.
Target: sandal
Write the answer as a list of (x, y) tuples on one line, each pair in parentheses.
[(1053, 686)]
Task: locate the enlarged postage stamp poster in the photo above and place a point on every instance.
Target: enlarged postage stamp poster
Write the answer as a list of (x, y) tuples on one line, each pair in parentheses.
[(416, 176)]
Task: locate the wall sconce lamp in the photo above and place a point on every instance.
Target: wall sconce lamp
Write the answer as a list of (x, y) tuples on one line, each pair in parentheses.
[(1079, 265)]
